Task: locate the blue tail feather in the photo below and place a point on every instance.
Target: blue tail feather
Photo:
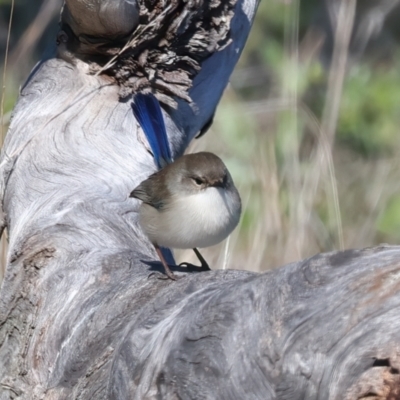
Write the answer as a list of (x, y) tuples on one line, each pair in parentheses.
[(148, 112), (169, 257)]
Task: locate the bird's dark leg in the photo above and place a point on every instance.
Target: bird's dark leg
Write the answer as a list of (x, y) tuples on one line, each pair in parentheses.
[(204, 266), (168, 272), (203, 262)]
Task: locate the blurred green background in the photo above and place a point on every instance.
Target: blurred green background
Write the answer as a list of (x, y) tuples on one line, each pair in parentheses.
[(309, 125)]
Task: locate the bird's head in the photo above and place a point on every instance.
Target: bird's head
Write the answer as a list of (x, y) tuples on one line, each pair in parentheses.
[(197, 172)]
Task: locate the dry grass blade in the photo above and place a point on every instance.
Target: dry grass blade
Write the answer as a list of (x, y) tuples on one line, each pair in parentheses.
[(337, 73), (5, 72), (295, 240), (32, 34), (327, 129), (3, 242)]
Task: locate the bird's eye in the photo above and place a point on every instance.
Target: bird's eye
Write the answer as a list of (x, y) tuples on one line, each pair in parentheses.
[(197, 181)]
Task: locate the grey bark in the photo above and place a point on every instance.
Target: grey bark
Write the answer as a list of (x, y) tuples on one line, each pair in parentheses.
[(82, 316)]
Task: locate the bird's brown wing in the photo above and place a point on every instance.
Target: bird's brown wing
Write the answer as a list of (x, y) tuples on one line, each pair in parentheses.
[(151, 191)]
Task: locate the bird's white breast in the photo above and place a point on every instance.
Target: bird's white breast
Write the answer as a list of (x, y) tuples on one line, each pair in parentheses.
[(197, 220)]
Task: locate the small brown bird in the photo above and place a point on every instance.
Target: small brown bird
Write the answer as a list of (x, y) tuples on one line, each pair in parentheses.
[(190, 203)]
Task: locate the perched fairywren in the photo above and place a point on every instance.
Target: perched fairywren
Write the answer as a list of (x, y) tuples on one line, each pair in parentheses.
[(191, 202)]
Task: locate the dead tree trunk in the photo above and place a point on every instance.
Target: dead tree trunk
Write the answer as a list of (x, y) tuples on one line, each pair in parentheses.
[(81, 316)]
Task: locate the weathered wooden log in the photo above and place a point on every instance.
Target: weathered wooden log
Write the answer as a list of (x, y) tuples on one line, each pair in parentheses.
[(83, 316)]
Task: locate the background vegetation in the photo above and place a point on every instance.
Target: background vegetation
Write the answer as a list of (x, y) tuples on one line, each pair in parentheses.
[(308, 126)]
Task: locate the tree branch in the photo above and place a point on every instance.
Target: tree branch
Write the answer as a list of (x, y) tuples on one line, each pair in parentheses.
[(79, 269)]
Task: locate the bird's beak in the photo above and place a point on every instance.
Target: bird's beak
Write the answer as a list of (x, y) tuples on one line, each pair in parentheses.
[(218, 183)]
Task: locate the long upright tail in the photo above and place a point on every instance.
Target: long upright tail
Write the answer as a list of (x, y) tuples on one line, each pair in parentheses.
[(148, 112)]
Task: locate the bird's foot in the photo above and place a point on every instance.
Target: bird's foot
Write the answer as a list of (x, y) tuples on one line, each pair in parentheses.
[(162, 277), (191, 267), (170, 275), (168, 272)]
